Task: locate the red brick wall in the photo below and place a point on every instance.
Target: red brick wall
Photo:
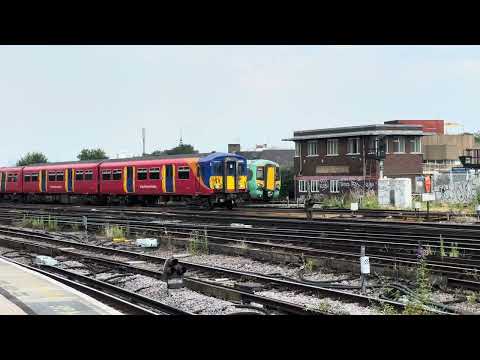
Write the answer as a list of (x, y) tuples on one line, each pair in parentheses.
[(435, 126)]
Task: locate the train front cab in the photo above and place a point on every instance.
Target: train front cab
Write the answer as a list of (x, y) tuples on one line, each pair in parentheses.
[(265, 184), (228, 178)]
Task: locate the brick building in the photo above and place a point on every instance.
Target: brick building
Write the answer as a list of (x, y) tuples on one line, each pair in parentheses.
[(340, 160)]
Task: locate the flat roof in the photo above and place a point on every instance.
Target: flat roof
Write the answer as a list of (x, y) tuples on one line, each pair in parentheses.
[(350, 131)]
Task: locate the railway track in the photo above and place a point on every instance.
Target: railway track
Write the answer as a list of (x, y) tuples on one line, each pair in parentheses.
[(269, 211), (200, 276), (127, 302), (389, 244)]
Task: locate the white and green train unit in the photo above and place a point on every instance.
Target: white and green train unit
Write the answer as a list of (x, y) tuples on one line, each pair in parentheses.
[(263, 180)]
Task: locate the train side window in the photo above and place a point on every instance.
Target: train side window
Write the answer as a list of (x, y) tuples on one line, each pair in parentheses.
[(34, 177), (154, 173), (89, 175), (277, 173), (241, 169), (183, 173), (142, 174), (79, 175), (260, 173), (52, 176), (250, 174), (60, 176), (106, 175), (117, 174), (217, 168), (27, 177)]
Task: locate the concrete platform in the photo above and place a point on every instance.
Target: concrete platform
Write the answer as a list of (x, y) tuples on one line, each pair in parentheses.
[(25, 292)]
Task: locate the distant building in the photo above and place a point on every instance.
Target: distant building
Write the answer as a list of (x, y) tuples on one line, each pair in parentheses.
[(284, 157), (338, 161), (429, 126), (441, 151)]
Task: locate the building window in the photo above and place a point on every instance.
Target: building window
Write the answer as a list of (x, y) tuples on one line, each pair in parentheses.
[(332, 147), (353, 146), (298, 149), (314, 186), (117, 174), (183, 173), (312, 148), (79, 175), (416, 145), (302, 186), (399, 144), (154, 173), (334, 186), (106, 175), (372, 145)]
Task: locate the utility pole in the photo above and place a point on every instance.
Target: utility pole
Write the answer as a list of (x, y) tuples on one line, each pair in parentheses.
[(143, 141)]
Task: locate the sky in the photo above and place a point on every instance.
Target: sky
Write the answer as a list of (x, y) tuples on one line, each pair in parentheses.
[(60, 99)]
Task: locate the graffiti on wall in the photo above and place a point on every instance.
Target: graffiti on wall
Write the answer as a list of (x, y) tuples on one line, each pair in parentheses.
[(456, 188), (353, 188)]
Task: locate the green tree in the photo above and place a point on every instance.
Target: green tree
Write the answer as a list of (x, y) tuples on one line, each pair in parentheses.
[(32, 158), (157, 153), (181, 149), (286, 176), (92, 154)]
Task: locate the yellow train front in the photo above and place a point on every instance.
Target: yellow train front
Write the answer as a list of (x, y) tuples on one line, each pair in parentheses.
[(226, 177)]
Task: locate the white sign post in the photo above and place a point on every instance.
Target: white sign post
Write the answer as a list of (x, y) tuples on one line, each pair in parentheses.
[(427, 197), (364, 268)]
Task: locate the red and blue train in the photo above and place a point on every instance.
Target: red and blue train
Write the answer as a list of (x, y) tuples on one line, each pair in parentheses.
[(208, 180)]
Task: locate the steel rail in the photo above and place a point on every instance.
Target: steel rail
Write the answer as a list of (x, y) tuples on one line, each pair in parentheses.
[(290, 283), (94, 290)]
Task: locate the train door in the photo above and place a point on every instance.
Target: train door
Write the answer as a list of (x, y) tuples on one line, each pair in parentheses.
[(270, 177), (230, 176), (198, 179), (43, 182), (69, 180), (3, 182), (169, 178), (129, 179)]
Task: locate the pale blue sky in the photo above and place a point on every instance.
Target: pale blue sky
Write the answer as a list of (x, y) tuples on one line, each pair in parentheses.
[(59, 99)]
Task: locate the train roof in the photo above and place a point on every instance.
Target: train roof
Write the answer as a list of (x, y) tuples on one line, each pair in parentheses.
[(11, 168), (220, 156), (262, 162), (120, 162)]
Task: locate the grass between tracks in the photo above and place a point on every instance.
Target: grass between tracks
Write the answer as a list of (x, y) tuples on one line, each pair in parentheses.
[(198, 243), (41, 223)]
